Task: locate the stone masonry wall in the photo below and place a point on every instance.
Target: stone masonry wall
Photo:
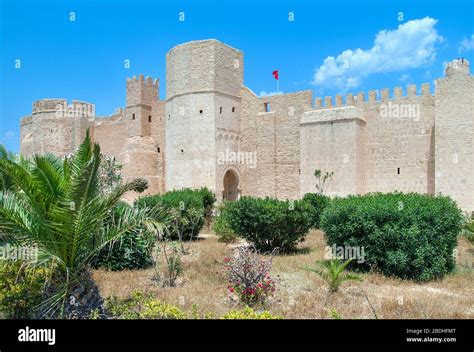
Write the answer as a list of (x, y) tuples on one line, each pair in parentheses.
[(454, 135)]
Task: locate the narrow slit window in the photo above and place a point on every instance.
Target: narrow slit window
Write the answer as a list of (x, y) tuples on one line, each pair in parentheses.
[(149, 118), (266, 107), (220, 110), (233, 109), (398, 171), (133, 116), (158, 149)]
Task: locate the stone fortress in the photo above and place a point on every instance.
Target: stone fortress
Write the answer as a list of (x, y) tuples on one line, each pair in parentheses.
[(213, 131)]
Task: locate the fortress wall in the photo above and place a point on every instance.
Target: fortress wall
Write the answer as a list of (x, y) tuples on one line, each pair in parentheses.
[(454, 133), (333, 141), (274, 137), (140, 160), (26, 136), (255, 180), (399, 143), (396, 141), (111, 133), (158, 133), (190, 141), (287, 111)]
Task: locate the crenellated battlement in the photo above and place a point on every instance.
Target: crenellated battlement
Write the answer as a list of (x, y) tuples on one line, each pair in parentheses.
[(142, 90), (372, 97), (141, 79), (61, 108)]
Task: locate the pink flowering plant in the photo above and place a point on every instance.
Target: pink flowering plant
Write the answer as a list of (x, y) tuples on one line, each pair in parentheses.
[(249, 276)]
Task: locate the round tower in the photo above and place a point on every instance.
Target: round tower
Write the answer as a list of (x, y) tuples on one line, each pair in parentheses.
[(458, 67), (203, 91), (58, 127)]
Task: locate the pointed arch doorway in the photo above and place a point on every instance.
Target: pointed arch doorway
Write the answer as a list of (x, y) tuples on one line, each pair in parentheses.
[(231, 185)]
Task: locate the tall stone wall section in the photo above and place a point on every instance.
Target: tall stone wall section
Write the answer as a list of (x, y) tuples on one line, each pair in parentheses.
[(273, 132), (333, 141), (454, 134), (110, 132)]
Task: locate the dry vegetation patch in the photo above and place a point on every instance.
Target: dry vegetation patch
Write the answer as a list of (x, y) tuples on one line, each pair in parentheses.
[(302, 294)]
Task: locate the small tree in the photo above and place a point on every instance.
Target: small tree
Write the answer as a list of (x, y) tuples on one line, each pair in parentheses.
[(322, 180), (333, 272)]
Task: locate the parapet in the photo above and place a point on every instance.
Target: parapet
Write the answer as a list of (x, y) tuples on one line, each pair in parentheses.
[(25, 120), (458, 67), (373, 96), (148, 80), (61, 107), (345, 113)]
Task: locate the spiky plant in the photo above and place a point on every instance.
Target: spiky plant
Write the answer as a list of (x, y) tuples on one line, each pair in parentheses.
[(56, 205), (333, 272)]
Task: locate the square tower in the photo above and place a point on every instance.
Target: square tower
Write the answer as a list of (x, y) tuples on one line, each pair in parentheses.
[(203, 92), (141, 94)]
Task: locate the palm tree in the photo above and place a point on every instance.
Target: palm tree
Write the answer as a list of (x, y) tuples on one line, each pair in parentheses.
[(56, 205), (333, 272)]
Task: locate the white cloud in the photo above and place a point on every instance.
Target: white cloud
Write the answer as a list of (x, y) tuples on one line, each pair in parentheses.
[(466, 45), (267, 94), (411, 45), (405, 78)]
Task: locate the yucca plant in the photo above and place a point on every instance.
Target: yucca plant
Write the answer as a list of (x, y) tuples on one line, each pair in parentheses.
[(333, 272), (57, 206)]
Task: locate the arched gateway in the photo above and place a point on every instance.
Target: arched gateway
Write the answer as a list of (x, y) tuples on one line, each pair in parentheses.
[(231, 185)]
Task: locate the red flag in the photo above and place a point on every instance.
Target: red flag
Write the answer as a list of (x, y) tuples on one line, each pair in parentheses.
[(275, 74)]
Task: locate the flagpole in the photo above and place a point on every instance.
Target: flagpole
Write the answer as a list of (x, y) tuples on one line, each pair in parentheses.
[(278, 86)]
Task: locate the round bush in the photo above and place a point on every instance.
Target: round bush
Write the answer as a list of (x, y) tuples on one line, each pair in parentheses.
[(187, 208), (270, 223), (318, 203), (131, 251), (221, 226), (411, 236)]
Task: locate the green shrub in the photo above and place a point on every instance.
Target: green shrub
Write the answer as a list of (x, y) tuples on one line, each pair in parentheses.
[(21, 289), (411, 236), (133, 250), (318, 202), (468, 228), (187, 208), (140, 306), (270, 223), (249, 313), (221, 226), (208, 200)]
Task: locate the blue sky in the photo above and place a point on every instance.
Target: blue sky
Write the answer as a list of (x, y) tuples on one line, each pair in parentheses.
[(330, 47)]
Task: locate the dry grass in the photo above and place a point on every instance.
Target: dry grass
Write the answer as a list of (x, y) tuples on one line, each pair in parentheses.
[(302, 294)]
